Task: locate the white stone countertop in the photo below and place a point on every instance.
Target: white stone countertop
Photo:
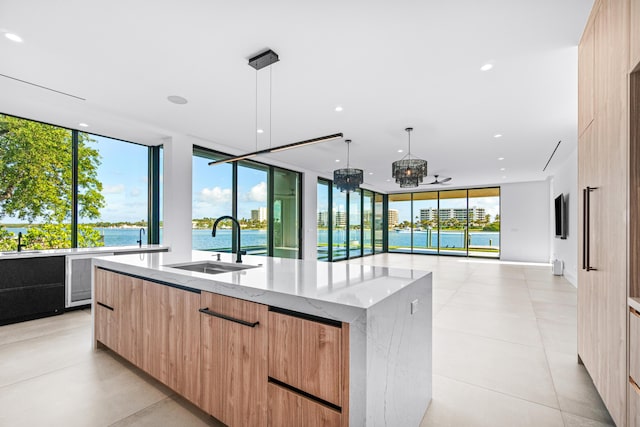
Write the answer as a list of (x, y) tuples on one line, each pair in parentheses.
[(339, 291), (27, 253)]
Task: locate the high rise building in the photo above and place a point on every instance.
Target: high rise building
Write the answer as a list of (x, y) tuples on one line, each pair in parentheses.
[(393, 217)]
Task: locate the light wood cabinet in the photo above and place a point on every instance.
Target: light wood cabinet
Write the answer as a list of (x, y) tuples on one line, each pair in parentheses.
[(287, 409), (634, 345), (603, 159), (119, 314), (307, 355), (106, 285), (234, 360), (308, 367), (634, 404), (171, 338)]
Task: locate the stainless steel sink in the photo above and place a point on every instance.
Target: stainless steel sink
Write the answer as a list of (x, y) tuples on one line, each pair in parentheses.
[(212, 267)]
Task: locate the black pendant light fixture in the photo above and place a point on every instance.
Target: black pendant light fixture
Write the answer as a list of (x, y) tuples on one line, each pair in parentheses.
[(258, 62), (408, 171), (347, 179)]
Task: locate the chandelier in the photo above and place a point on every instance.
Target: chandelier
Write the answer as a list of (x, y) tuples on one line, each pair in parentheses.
[(347, 179), (409, 172)]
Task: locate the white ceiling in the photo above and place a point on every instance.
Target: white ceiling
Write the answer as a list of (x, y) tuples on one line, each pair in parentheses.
[(388, 64)]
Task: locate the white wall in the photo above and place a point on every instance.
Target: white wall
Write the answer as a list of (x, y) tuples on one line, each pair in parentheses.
[(565, 181), (176, 212), (524, 222), (309, 215)]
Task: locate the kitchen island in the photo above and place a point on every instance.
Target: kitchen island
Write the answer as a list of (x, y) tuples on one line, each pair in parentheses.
[(281, 342)]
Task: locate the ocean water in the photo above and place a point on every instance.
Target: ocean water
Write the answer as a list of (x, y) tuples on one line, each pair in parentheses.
[(257, 239), (202, 239)]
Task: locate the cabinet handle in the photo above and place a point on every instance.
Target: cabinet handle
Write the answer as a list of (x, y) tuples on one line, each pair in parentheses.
[(105, 306), (231, 319), (586, 243)]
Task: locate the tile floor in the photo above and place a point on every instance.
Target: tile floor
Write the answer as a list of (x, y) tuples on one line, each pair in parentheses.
[(504, 355)]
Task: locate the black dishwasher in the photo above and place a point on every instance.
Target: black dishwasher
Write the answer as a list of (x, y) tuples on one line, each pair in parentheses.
[(30, 288)]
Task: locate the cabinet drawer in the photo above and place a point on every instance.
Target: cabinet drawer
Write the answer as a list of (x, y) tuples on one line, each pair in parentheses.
[(634, 345), (634, 404), (287, 408), (307, 355)]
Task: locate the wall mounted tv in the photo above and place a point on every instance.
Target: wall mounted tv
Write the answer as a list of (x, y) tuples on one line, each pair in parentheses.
[(561, 216)]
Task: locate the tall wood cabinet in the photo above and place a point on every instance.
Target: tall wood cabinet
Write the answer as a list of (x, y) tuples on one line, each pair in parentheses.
[(605, 217)]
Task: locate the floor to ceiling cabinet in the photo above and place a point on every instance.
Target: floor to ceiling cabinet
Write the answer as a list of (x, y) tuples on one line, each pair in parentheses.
[(604, 182)]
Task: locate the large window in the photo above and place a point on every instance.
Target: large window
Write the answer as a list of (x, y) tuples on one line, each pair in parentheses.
[(264, 199), (122, 173), (454, 222), (63, 188), (252, 207), (400, 223), (286, 213), (353, 227)]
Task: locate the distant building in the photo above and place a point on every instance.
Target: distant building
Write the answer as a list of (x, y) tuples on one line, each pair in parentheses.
[(340, 219), (475, 214), (323, 219), (393, 217), (259, 214)]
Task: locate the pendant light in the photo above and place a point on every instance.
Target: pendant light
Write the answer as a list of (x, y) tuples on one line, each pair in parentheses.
[(258, 62), (408, 171), (347, 179)]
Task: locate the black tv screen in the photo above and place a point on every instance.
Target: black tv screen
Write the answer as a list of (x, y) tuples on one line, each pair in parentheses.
[(560, 215)]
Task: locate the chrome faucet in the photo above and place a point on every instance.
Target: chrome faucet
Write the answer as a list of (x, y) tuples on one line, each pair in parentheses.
[(139, 242), (239, 252), (20, 245)]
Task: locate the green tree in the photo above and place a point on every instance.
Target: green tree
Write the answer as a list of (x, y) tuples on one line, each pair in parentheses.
[(35, 176)]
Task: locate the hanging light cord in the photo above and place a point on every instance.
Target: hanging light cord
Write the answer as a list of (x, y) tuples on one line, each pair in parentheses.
[(348, 144), (256, 129), (270, 103)]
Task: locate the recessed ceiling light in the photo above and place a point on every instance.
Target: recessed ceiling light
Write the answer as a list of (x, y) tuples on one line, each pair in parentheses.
[(260, 131), (502, 169), (504, 177), (13, 37), (500, 158), (370, 173), (337, 160), (339, 108), (177, 99), (486, 67), (497, 135), (400, 150), (83, 125), (388, 180)]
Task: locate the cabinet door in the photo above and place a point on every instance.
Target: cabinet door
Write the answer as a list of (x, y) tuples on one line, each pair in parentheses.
[(106, 286), (586, 82), (234, 360), (171, 338), (306, 355), (129, 318), (287, 408)]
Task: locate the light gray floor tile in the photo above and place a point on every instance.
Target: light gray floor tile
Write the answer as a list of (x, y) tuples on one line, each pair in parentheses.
[(172, 411), (571, 420), (514, 369), (458, 404)]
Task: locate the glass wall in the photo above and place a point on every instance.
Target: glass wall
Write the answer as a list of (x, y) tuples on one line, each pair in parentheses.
[(454, 222), (378, 223), (286, 213), (39, 162), (324, 226), (400, 224), (252, 207), (212, 197), (367, 222), (339, 222), (484, 222), (264, 199), (123, 170), (425, 229), (354, 226)]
